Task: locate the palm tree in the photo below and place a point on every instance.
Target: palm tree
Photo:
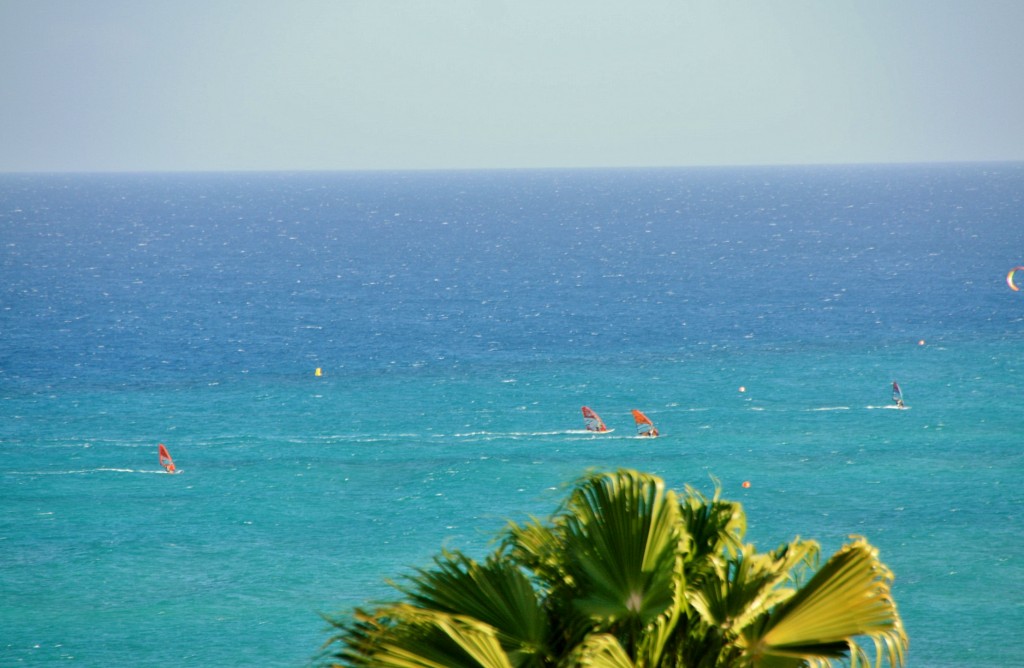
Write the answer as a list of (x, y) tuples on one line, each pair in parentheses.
[(627, 574)]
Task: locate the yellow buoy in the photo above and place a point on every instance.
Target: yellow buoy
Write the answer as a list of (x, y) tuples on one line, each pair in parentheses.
[(319, 372)]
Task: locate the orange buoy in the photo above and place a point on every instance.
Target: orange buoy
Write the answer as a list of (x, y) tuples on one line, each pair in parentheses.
[(746, 484)]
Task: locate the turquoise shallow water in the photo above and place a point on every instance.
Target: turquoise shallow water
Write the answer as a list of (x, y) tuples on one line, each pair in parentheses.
[(456, 358)]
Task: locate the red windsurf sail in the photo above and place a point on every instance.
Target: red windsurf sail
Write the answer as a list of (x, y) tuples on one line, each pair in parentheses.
[(165, 459), (592, 420)]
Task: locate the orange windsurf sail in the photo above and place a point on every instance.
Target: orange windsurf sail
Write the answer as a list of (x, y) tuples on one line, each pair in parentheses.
[(592, 420), (644, 426), (165, 459)]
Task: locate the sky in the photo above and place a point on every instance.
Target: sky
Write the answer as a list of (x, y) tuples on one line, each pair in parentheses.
[(215, 85)]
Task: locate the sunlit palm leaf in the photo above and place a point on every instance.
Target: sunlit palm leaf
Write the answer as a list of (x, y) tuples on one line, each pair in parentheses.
[(849, 597), (625, 575), (651, 646), (622, 540), (496, 593), (537, 548), (749, 585), (406, 637), (600, 650), (715, 526)]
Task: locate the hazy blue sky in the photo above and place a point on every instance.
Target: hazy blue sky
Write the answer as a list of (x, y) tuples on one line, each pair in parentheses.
[(380, 84)]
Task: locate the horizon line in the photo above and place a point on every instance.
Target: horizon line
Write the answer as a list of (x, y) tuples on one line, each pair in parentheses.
[(394, 170)]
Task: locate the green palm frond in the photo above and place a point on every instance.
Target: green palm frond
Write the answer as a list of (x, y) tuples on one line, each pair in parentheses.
[(748, 586), (611, 559), (402, 636), (797, 558), (626, 574), (714, 525), (600, 650), (740, 591), (658, 635), (849, 597), (495, 592), (537, 548), (621, 541)]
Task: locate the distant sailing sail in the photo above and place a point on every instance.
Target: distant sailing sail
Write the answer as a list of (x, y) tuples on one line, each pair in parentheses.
[(644, 426), (592, 420), (897, 394), (165, 459)]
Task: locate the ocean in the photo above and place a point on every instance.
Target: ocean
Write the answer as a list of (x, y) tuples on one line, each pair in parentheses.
[(460, 320)]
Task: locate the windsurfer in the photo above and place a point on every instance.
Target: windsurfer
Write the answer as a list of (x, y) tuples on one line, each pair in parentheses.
[(592, 421), (897, 395), (165, 459), (644, 426)]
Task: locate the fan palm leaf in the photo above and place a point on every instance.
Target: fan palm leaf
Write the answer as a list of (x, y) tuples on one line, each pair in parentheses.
[(742, 589), (403, 636), (714, 525), (495, 592), (625, 574), (600, 650), (611, 559), (849, 597), (621, 541)]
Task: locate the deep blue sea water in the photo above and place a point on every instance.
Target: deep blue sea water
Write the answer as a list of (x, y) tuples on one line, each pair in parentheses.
[(461, 319)]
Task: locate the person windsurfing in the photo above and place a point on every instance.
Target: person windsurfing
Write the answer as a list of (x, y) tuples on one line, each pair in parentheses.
[(897, 395), (165, 459), (644, 426), (592, 420)]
